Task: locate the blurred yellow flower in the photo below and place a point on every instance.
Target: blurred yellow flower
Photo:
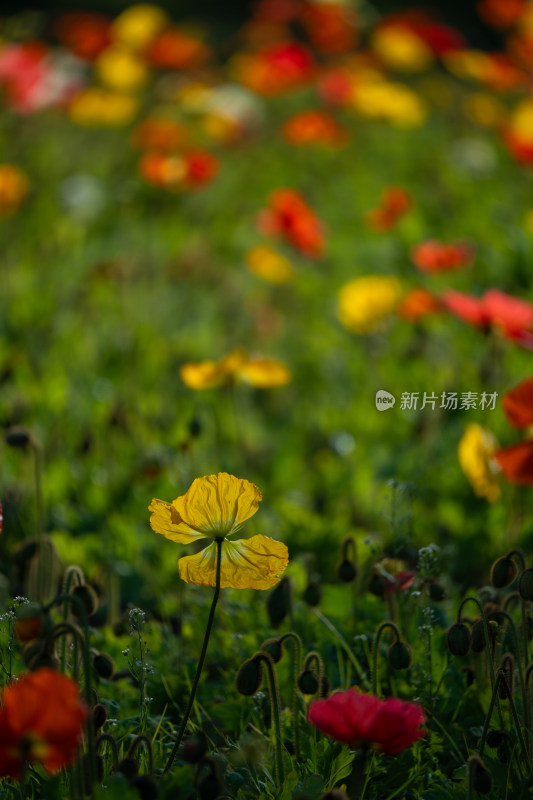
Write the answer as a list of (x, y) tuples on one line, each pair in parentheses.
[(263, 373), (95, 106), (267, 263), (215, 507), (120, 69), (471, 64), (14, 187), (392, 102), (476, 449), (138, 25), (364, 303), (400, 48)]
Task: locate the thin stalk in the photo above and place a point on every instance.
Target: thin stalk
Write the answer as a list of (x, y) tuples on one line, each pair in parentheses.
[(201, 660), (39, 503), (296, 642), (106, 738), (525, 706), (344, 644), (275, 706), (375, 652), (142, 739)]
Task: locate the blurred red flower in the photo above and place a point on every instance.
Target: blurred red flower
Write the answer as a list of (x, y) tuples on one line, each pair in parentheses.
[(501, 13), (314, 127), (395, 202), (85, 33), (275, 69), (174, 172), (175, 49), (516, 462), (434, 256), (41, 721), (359, 719), (512, 315), (332, 28), (518, 404), (289, 215)]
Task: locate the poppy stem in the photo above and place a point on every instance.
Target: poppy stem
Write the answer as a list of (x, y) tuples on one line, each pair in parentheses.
[(357, 778), (201, 660)]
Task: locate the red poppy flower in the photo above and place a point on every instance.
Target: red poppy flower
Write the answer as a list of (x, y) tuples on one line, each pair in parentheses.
[(85, 33), (41, 721), (501, 13), (175, 49), (516, 462), (331, 27), (512, 315), (290, 216), (395, 202), (434, 256), (276, 68), (518, 404), (358, 719)]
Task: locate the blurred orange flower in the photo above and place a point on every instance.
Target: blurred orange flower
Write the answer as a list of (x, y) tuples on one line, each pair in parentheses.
[(314, 127), (274, 69), (175, 49), (41, 721), (158, 133), (395, 203), (434, 256), (501, 13), (416, 304), (332, 27), (14, 187), (288, 215), (518, 404), (175, 172), (516, 462)]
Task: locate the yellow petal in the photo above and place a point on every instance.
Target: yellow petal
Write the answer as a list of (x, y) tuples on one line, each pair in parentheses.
[(202, 375), (265, 373), (255, 563), (217, 505), (166, 520)]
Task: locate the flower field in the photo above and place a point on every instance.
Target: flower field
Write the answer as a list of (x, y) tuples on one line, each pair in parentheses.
[(266, 396)]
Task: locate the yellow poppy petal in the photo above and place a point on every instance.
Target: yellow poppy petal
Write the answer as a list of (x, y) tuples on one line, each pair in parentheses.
[(202, 375), (265, 373), (217, 505), (255, 563), (166, 520)]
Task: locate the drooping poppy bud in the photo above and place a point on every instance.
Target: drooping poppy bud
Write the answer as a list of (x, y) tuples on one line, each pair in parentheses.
[(458, 639), (481, 777), (274, 648), (308, 682), (525, 584), (399, 655), (249, 678), (503, 572)]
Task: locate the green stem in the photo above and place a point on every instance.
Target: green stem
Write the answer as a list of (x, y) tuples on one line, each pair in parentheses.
[(107, 738), (275, 706), (142, 739), (487, 643), (201, 660), (296, 642), (344, 644), (525, 707), (358, 777), (375, 651), (38, 467)]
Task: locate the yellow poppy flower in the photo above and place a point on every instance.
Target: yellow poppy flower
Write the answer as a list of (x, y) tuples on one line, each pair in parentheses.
[(215, 507), (268, 264), (365, 303), (138, 25), (476, 450), (265, 373), (202, 375)]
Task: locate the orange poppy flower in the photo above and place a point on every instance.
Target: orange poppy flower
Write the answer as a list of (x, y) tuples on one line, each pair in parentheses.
[(314, 127), (157, 133), (395, 202), (416, 304), (85, 33), (175, 49), (173, 172), (289, 215), (516, 462), (434, 256), (331, 27), (41, 722), (501, 13), (518, 404)]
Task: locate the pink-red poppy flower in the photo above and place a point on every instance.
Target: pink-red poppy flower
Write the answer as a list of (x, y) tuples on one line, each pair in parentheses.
[(360, 720), (41, 721), (434, 256), (512, 315), (288, 215)]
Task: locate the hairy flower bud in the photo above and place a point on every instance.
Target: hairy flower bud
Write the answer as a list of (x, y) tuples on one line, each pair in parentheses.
[(312, 594), (458, 639), (99, 716), (347, 571), (503, 572), (399, 655), (477, 636), (494, 737), (146, 787), (525, 584), (279, 602), (249, 678), (88, 599), (18, 436), (104, 665), (308, 682), (128, 767), (436, 591)]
